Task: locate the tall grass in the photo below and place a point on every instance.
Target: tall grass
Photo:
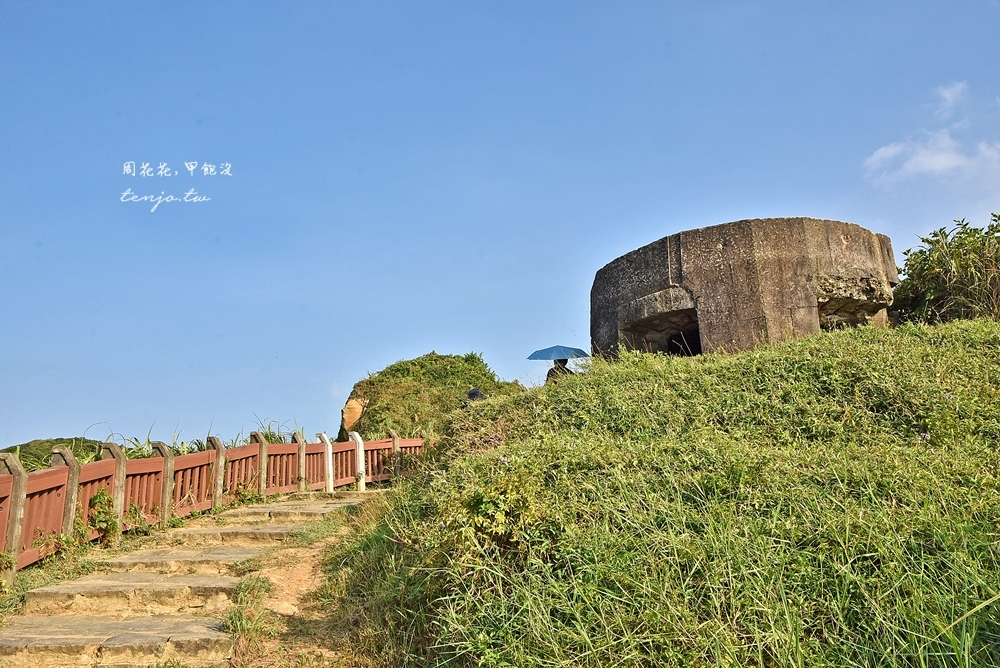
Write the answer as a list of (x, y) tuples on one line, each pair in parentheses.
[(833, 501)]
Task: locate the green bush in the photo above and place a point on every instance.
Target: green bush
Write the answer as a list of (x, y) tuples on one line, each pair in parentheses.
[(414, 396), (102, 518), (955, 274), (832, 501)]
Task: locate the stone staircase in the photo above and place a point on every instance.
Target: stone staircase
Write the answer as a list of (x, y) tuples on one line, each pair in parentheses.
[(161, 606)]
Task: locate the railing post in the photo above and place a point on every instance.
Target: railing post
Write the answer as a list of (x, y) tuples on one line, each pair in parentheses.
[(258, 438), (64, 457), (359, 449), (301, 441), (113, 451), (327, 459), (219, 477), (167, 497), (10, 465), (397, 459)]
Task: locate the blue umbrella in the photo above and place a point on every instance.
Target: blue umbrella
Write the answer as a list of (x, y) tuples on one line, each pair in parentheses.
[(557, 353)]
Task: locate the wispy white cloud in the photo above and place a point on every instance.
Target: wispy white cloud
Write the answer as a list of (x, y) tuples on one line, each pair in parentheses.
[(936, 154), (939, 155), (951, 95)]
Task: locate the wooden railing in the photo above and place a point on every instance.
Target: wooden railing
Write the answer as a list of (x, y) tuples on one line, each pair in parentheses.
[(39, 506)]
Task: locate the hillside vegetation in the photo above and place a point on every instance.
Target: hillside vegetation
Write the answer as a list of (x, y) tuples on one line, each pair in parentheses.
[(414, 396), (34, 455), (832, 501), (953, 274)]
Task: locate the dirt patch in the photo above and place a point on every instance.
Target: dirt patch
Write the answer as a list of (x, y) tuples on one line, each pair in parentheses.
[(294, 572), (302, 639)]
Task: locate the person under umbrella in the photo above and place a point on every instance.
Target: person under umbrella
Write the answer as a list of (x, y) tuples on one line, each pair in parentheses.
[(559, 368), (560, 356)]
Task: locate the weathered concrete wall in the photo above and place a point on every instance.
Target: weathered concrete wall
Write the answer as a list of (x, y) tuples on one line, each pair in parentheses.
[(735, 286)]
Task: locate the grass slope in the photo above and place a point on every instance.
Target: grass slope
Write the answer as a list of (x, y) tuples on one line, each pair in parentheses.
[(832, 501)]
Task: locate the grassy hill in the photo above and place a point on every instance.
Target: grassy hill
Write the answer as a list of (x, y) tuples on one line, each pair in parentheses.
[(833, 501), (414, 396), (35, 454)]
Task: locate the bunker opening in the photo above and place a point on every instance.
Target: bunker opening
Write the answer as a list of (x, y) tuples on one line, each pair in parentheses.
[(671, 333)]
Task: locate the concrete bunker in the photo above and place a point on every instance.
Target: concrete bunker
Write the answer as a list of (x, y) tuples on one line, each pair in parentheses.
[(738, 285)]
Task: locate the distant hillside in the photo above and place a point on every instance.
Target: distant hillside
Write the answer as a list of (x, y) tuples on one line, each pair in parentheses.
[(34, 455), (831, 501)]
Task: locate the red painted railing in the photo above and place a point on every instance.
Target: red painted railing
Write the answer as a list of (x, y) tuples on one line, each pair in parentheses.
[(193, 482), (378, 460), (242, 470), (282, 468), (316, 465), (411, 446), (345, 464), (43, 511), (191, 486), (144, 487)]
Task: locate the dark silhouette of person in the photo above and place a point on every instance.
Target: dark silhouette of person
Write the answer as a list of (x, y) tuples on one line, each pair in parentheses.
[(559, 369), (474, 394)]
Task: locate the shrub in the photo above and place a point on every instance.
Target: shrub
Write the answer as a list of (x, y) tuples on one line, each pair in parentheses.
[(102, 518), (955, 274), (414, 396)]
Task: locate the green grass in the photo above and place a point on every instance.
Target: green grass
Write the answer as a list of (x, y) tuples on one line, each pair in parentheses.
[(247, 619), (833, 501), (246, 566), (329, 526)]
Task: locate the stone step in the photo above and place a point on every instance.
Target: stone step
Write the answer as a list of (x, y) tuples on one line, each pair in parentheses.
[(360, 496), (185, 559), (339, 494), (240, 535), (288, 511), (310, 496), (81, 640), (113, 593)]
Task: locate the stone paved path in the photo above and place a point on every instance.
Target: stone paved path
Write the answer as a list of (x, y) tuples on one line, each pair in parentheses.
[(157, 606)]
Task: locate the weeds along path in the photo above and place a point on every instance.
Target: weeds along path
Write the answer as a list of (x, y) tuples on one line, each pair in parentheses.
[(224, 590)]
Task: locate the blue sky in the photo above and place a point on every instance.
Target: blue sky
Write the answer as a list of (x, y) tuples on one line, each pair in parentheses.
[(407, 177)]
